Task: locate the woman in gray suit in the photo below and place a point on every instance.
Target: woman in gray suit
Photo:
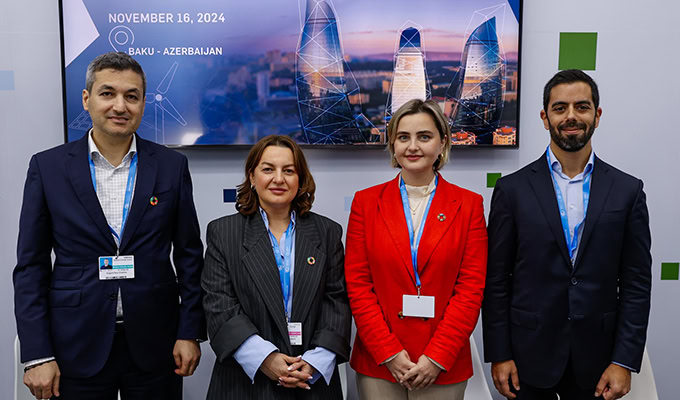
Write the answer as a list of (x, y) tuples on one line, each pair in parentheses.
[(274, 288)]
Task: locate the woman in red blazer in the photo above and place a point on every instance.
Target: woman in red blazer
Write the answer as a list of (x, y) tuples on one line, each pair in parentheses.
[(414, 325)]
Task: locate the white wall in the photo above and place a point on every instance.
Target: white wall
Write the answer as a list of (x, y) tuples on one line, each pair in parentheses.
[(30, 120), (636, 70)]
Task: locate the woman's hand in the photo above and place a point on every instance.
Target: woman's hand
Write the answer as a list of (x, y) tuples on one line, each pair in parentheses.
[(399, 366), (290, 372), (298, 374), (276, 365), (423, 374)]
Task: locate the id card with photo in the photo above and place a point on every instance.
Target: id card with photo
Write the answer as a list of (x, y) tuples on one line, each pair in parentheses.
[(418, 306), (112, 267)]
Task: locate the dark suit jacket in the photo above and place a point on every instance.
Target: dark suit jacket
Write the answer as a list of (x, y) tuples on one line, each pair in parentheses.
[(538, 310), (64, 310), (243, 297)]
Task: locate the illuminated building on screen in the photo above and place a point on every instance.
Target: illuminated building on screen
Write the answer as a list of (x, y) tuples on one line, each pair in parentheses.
[(409, 80), (505, 136), (477, 90), (323, 89), (462, 138)]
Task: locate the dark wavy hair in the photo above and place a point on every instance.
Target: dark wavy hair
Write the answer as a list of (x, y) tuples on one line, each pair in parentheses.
[(570, 76), (247, 202)]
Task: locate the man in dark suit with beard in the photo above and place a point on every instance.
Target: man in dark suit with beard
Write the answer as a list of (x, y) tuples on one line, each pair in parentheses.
[(567, 295)]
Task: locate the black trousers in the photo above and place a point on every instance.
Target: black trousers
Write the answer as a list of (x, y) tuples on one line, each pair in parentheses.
[(567, 388), (121, 373)]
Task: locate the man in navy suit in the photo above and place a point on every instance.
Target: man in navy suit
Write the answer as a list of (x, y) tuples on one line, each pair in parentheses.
[(568, 286), (86, 332)]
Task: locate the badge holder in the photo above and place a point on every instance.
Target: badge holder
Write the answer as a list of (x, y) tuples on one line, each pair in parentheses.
[(116, 267), (295, 333), (418, 306)]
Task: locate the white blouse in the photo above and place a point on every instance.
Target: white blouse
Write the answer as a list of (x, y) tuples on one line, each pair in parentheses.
[(418, 196)]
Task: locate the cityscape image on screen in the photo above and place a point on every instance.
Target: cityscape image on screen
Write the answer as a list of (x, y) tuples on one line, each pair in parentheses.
[(323, 72)]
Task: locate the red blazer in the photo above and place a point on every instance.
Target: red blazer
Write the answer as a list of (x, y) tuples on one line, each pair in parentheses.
[(452, 267)]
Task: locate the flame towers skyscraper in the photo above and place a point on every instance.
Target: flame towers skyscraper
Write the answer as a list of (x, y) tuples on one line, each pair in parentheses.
[(409, 80), (477, 90), (322, 88)]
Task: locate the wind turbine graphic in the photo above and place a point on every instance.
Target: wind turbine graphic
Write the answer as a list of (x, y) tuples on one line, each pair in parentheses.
[(121, 36), (163, 105)]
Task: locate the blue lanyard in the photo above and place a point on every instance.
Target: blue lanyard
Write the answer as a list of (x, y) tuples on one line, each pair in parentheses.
[(285, 263), (128, 193), (409, 222), (572, 241)]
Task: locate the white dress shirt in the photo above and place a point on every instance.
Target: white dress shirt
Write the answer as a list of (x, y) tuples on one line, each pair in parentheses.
[(111, 185)]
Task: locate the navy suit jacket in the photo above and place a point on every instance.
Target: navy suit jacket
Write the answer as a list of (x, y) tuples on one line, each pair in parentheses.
[(63, 309), (538, 310)]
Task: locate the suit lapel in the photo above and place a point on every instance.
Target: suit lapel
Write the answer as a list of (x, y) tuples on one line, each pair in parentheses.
[(392, 212), (78, 170), (309, 265), (541, 182), (146, 179), (443, 211), (259, 261), (600, 185)]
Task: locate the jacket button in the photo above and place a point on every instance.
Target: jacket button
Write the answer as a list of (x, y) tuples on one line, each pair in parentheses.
[(400, 315), (113, 296), (574, 281)]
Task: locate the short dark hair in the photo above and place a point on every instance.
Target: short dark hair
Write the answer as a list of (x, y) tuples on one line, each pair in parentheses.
[(247, 202), (417, 106), (570, 76), (117, 61)]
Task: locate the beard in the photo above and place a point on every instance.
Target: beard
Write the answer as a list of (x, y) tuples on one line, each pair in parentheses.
[(571, 143)]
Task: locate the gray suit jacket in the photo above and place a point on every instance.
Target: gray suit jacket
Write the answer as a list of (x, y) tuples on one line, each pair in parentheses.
[(243, 297)]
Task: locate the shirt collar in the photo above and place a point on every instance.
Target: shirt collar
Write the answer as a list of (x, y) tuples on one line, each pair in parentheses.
[(557, 167), (92, 147), (263, 213), (421, 191)]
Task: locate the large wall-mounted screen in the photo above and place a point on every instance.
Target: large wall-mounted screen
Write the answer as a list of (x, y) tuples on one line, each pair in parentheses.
[(325, 72)]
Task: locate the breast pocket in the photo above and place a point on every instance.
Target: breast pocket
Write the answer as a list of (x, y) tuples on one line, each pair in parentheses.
[(159, 212), (613, 216), (162, 198)]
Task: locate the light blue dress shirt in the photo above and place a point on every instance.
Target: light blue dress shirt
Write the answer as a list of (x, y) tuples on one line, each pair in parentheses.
[(572, 191), (255, 349)]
